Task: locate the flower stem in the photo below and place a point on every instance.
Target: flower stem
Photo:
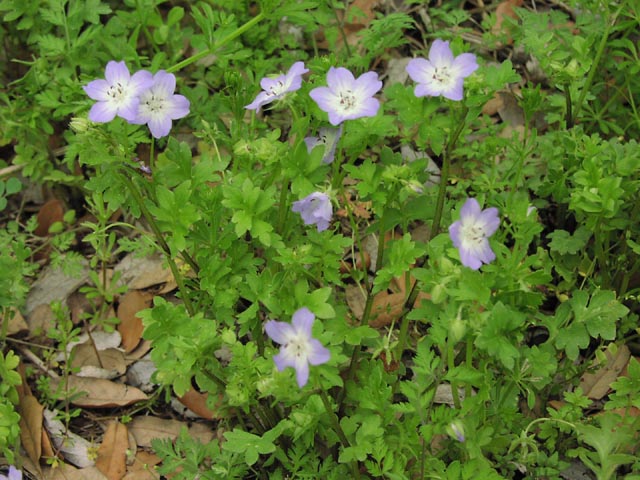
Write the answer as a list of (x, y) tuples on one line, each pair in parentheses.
[(444, 173), (163, 244), (609, 21), (232, 36), (337, 428)]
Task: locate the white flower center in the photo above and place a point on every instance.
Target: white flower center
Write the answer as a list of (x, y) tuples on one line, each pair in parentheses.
[(442, 75), (153, 104), (473, 234), (347, 99), (277, 89), (297, 346), (117, 92)]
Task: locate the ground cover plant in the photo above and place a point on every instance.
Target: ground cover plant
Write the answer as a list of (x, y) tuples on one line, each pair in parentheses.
[(368, 239)]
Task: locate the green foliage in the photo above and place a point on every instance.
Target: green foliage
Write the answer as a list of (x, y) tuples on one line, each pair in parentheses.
[(9, 418)]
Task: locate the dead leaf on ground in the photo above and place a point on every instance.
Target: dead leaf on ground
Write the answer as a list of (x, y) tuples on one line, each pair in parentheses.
[(505, 9), (144, 273), (100, 393), (112, 360), (73, 447), (112, 454), (146, 428), (67, 472), (130, 326), (197, 403), (142, 467), (31, 427), (16, 323), (50, 212), (54, 285), (597, 384)]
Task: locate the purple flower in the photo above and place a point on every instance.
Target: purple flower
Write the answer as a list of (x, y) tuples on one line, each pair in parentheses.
[(298, 349), (470, 234), (278, 87), (315, 209), (442, 74), (159, 106), (328, 138), (348, 98), (118, 93), (14, 474)]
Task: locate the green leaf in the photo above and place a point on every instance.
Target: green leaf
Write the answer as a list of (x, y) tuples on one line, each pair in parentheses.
[(563, 242)]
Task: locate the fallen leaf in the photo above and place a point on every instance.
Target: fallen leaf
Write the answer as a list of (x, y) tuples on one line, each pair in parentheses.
[(101, 393), (110, 360), (144, 273), (503, 10), (74, 448), (54, 285), (147, 428), (68, 472), (112, 454), (31, 427), (50, 212), (596, 385), (130, 326), (142, 467), (197, 403), (15, 322)]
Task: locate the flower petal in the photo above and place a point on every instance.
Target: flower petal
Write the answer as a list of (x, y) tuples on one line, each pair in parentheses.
[(283, 361), (454, 91), (97, 90), (302, 321), (302, 372), (489, 220), (367, 84), (340, 79), (117, 72), (465, 64), (177, 107), (440, 54), (160, 126), (259, 101), (470, 209), (279, 332), (102, 112), (164, 84), (420, 70), (318, 354)]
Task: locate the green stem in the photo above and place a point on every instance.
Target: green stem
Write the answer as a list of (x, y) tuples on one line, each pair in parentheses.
[(596, 61), (337, 428), (444, 173), (451, 364), (232, 36), (163, 244)]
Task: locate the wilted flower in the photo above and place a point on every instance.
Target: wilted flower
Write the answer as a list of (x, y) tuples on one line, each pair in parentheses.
[(298, 349), (442, 74), (315, 209), (348, 98), (278, 87), (470, 234), (118, 94), (14, 474), (159, 106), (328, 137)]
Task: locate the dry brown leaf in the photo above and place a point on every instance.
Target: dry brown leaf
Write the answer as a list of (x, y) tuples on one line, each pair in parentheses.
[(146, 428), (50, 212), (505, 9), (31, 427), (111, 359), (142, 467), (68, 472), (143, 273), (596, 385), (112, 454), (100, 393), (16, 323), (130, 326), (197, 403)]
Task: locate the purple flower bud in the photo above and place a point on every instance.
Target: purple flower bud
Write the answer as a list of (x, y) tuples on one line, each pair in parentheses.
[(328, 138)]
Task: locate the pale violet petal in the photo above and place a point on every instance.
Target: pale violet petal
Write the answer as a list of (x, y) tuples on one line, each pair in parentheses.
[(279, 332), (102, 112), (339, 79), (164, 84), (318, 354), (440, 54), (117, 72), (420, 70), (453, 91), (470, 209), (367, 84), (302, 372), (465, 64), (302, 321), (259, 101), (97, 90), (159, 125)]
